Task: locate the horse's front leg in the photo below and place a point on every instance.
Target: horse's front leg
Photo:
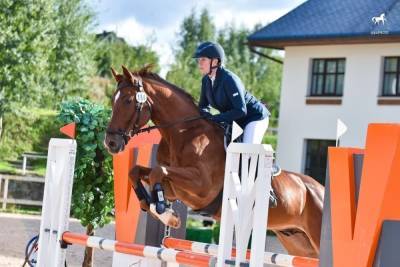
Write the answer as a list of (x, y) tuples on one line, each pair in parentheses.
[(137, 174), (186, 178)]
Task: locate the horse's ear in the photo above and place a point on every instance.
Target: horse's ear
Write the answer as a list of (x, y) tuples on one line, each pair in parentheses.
[(127, 73), (117, 77)]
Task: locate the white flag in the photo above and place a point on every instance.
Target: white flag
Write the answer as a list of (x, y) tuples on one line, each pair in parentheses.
[(340, 130), (236, 131)]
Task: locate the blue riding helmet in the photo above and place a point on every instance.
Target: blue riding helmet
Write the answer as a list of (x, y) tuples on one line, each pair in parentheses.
[(210, 50)]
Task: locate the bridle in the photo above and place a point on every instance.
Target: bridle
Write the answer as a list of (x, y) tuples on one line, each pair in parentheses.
[(141, 100)]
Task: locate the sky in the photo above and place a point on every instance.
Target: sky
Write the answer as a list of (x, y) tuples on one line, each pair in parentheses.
[(157, 22)]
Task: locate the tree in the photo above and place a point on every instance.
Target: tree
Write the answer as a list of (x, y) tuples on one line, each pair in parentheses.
[(183, 71), (261, 76), (93, 196), (113, 51), (45, 52), (71, 62), (26, 37)]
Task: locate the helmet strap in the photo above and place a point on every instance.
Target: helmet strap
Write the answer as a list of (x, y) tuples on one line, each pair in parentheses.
[(213, 67)]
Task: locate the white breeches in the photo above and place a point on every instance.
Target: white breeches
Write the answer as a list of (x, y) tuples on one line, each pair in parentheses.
[(255, 130)]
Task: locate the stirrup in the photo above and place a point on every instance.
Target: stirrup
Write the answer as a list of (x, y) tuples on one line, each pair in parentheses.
[(273, 201)]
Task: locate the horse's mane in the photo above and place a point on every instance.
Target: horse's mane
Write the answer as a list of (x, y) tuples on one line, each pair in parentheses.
[(146, 72)]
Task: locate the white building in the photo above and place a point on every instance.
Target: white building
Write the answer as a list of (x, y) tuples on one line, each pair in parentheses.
[(342, 60)]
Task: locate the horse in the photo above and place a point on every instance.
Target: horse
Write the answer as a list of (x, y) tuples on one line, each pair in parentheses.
[(381, 18), (191, 160)]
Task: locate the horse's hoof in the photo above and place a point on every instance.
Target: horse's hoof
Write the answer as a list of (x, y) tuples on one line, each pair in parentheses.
[(174, 222)]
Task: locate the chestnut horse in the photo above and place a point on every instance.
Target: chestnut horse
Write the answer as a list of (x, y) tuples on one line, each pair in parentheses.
[(191, 160)]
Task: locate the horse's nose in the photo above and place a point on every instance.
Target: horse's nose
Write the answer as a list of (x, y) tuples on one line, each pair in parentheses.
[(112, 144)]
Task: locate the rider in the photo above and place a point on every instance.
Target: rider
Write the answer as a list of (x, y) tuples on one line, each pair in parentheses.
[(224, 91)]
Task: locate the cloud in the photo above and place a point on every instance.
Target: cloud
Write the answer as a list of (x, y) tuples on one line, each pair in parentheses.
[(135, 33), (157, 22), (132, 31), (161, 13)]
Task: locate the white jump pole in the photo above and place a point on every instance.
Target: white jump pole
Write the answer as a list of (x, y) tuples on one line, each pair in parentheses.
[(245, 203), (56, 201)]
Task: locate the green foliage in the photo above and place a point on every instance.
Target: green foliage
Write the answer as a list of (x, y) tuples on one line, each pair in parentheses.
[(5, 167), (184, 72), (25, 41), (92, 197), (71, 62), (203, 234), (27, 129), (215, 234), (45, 54), (115, 52), (270, 139), (261, 76), (112, 51)]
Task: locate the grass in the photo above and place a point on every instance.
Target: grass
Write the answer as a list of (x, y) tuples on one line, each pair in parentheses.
[(22, 209), (38, 168), (5, 167)]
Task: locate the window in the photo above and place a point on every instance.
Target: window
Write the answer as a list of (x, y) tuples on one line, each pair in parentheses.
[(316, 158), (391, 77), (327, 77)]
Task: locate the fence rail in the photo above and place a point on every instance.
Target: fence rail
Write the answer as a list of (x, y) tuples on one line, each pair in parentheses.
[(6, 200)]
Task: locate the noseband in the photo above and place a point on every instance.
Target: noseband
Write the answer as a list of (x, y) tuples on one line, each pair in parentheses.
[(141, 100)]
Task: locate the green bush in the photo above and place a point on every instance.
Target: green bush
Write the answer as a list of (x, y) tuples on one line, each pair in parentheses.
[(271, 140), (202, 234), (27, 130), (93, 195)]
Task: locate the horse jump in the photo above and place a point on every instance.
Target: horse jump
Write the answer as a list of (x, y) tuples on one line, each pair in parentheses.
[(57, 199), (283, 260), (157, 253), (190, 156)]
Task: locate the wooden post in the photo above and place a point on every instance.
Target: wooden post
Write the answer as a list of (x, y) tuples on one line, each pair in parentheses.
[(5, 194)]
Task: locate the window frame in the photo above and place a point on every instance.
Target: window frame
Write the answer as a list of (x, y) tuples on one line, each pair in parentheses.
[(307, 156), (397, 73), (313, 89)]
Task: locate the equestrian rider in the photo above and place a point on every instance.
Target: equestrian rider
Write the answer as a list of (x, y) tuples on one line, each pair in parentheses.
[(224, 91)]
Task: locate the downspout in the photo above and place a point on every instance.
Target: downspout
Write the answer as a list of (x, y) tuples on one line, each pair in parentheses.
[(252, 49)]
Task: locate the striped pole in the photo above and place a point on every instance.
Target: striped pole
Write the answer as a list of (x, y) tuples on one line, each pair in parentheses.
[(163, 254), (211, 249)]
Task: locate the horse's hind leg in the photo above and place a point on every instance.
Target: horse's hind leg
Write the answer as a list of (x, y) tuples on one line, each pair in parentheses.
[(312, 219), (297, 243)]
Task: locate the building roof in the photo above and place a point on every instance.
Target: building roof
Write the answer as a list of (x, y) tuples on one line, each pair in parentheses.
[(332, 21)]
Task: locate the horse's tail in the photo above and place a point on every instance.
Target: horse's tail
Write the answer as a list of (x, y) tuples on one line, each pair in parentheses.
[(317, 191)]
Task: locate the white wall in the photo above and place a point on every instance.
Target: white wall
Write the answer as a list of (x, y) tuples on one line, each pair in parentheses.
[(362, 85)]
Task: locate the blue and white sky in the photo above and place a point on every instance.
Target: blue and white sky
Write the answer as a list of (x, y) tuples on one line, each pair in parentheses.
[(157, 22)]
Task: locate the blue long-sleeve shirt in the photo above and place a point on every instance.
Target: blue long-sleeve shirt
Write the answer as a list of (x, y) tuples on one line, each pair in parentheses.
[(231, 99)]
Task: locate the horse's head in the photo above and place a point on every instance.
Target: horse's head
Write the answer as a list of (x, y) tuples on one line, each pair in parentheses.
[(131, 110)]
